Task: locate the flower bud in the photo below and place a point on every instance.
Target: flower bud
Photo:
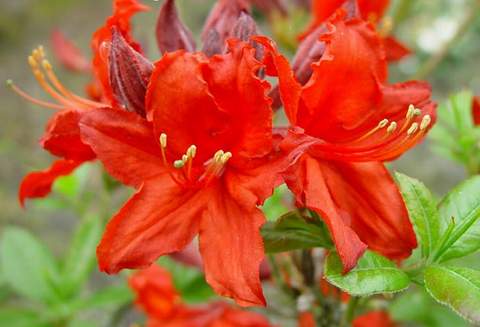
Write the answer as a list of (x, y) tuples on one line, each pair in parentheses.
[(129, 73), (171, 33)]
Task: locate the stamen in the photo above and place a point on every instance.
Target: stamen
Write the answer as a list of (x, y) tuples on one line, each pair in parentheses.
[(417, 112), (178, 164), (225, 157), (412, 129), (426, 120), (380, 125), (392, 127), (31, 99), (191, 153), (163, 146)]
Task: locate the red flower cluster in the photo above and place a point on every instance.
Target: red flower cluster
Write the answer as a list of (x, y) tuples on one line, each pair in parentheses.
[(193, 134), (158, 298)]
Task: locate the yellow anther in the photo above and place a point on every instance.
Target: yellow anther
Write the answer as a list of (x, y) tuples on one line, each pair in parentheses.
[(184, 158), (413, 128), (192, 151), (46, 64), (392, 127), (163, 140), (178, 164), (218, 155), (383, 123), (32, 62), (417, 112), (225, 157), (410, 112), (38, 74), (426, 120), (41, 50), (9, 83)]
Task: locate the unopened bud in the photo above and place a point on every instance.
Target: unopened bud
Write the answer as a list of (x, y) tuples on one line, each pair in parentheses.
[(171, 33), (129, 74)]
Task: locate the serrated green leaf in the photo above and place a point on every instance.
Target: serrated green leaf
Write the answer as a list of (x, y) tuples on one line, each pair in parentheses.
[(463, 204), (423, 212), (293, 231), (373, 274), (458, 288), (28, 266), (81, 258)]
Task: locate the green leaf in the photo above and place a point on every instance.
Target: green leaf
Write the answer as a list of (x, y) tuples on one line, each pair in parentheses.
[(293, 231), (28, 266), (373, 274), (463, 204), (461, 106), (81, 258), (422, 211), (20, 318), (275, 206), (458, 288), (189, 281)]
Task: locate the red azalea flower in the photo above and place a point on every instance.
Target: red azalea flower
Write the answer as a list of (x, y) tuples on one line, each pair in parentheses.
[(348, 120), (158, 298), (371, 10), (62, 136), (207, 180), (374, 319)]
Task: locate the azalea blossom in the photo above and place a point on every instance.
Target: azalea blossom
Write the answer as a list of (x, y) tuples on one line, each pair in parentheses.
[(201, 163), (346, 120), (158, 298)]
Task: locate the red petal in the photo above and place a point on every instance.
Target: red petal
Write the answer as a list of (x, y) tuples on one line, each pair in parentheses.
[(394, 49), (306, 319), (155, 292), (123, 10), (67, 53), (160, 218), (345, 83), (125, 144), (374, 319), (476, 110), (38, 184), (232, 248), (311, 182), (233, 317), (290, 89), (62, 137), (373, 10)]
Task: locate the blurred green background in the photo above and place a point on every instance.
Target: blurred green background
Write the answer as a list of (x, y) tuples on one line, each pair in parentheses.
[(24, 24)]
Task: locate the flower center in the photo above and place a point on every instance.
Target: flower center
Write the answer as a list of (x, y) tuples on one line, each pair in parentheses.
[(214, 167), (48, 80)]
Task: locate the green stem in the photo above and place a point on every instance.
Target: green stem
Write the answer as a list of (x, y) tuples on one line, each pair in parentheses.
[(350, 311), (436, 59)]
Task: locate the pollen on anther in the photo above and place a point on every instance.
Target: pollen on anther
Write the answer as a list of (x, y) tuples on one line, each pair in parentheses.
[(426, 120), (163, 140), (413, 128), (383, 123), (178, 164), (225, 157), (410, 111), (218, 155), (192, 151), (392, 127), (417, 112)]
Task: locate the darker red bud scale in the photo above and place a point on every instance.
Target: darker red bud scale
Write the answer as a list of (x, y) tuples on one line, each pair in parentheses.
[(171, 33), (129, 73)]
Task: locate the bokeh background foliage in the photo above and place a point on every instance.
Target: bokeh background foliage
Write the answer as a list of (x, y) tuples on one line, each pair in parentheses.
[(424, 25)]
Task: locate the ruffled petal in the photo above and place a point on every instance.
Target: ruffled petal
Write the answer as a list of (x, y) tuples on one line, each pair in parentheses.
[(345, 84), (311, 182), (67, 53), (125, 144), (62, 137), (232, 248), (123, 10), (160, 218), (38, 184)]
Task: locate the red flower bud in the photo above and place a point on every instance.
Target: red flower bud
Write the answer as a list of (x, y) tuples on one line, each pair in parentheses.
[(171, 33), (129, 73)]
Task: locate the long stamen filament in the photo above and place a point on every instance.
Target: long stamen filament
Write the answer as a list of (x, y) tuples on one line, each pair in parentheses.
[(380, 125), (31, 99)]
